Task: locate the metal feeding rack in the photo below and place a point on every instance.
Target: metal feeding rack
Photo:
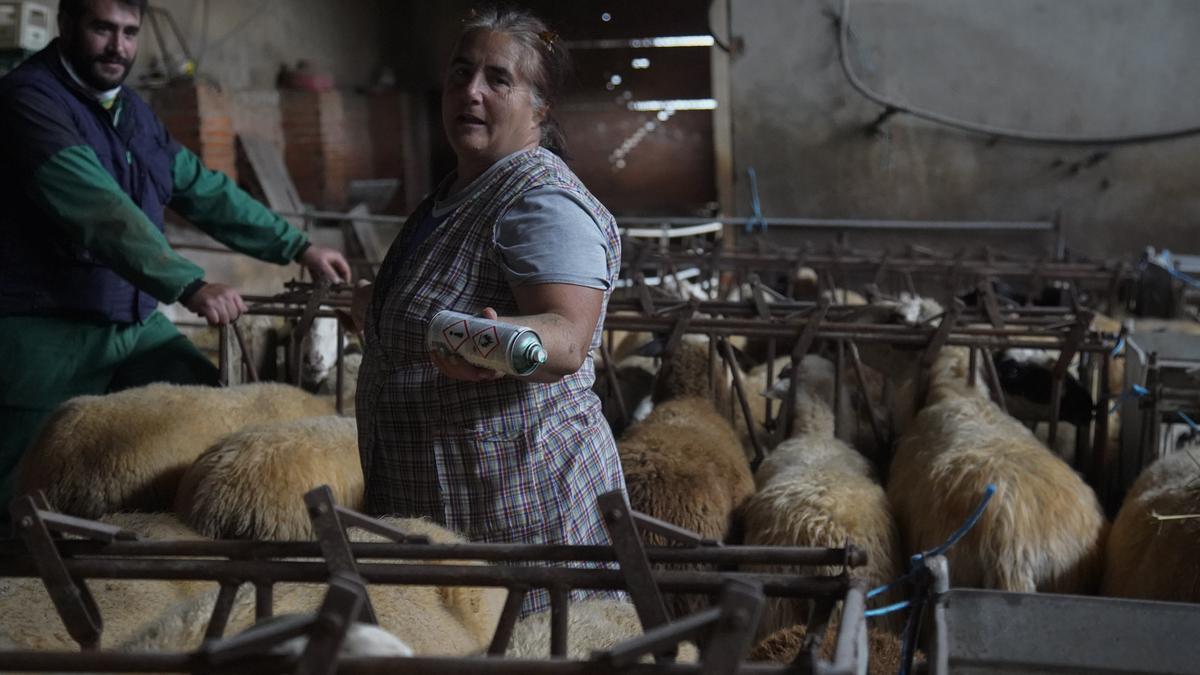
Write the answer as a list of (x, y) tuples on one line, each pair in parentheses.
[(724, 631), (915, 269), (301, 304), (1160, 411), (791, 327)]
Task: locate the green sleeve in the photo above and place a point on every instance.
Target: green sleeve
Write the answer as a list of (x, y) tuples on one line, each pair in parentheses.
[(88, 206), (213, 203)]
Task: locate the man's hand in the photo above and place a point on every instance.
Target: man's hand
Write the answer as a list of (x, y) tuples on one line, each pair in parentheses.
[(325, 263), (218, 303)]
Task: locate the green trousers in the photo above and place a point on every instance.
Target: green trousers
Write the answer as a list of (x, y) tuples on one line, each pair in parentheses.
[(45, 361)]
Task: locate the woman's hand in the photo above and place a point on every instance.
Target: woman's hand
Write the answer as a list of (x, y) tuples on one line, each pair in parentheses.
[(456, 367)]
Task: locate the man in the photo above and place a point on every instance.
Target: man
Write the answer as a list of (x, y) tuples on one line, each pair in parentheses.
[(87, 170)]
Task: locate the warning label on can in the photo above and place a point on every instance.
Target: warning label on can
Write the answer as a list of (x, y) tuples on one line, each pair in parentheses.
[(455, 335), (486, 341)]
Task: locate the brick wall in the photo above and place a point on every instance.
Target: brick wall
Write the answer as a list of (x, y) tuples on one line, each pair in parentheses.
[(199, 116), (314, 133)]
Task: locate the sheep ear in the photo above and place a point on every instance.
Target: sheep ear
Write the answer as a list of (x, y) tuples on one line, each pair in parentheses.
[(779, 390), (655, 347)]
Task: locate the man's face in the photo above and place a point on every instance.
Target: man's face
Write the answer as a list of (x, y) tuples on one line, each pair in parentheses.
[(102, 42)]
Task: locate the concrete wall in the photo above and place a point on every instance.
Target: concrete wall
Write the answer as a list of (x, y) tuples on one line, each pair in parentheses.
[(1072, 67)]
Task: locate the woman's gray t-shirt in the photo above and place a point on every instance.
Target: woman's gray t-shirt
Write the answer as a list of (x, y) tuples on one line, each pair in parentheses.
[(547, 237)]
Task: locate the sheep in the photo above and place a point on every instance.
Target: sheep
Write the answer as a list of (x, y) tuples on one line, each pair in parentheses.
[(1152, 557), (884, 648), (432, 620), (592, 625), (172, 615), (815, 490), (684, 463), (251, 484), (1043, 530), (138, 615), (818, 374), (362, 639), (128, 450), (351, 363)]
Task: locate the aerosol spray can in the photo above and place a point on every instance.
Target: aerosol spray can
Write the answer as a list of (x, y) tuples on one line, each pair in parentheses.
[(503, 347)]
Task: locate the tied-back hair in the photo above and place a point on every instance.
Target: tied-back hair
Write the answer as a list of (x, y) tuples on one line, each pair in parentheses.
[(547, 64)]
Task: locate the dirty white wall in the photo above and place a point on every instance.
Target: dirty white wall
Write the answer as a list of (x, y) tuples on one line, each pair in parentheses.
[(1070, 67)]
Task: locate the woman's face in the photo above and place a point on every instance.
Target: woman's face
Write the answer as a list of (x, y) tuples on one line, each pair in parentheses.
[(486, 104)]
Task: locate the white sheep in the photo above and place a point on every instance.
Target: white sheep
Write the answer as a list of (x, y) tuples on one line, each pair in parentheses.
[(362, 639), (251, 483), (432, 620), (1153, 549), (815, 490), (138, 615), (592, 625), (1042, 531), (128, 450), (141, 615)]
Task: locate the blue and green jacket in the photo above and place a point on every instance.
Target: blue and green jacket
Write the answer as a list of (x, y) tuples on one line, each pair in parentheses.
[(82, 193)]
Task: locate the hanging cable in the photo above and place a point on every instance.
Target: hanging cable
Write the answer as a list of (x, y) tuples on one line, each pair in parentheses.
[(892, 106)]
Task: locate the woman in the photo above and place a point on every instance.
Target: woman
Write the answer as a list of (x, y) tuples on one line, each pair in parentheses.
[(510, 233)]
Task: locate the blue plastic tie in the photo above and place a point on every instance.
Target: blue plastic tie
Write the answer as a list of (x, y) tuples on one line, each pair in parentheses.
[(1190, 281), (918, 560), (880, 611), (757, 220), (1188, 421), (1136, 390), (1120, 346)]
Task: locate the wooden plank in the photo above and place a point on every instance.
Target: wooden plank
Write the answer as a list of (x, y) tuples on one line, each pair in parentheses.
[(271, 174)]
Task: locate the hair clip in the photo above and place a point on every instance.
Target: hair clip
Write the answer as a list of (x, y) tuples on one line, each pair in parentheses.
[(548, 37)]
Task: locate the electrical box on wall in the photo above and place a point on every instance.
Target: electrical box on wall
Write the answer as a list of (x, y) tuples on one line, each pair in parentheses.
[(24, 25)]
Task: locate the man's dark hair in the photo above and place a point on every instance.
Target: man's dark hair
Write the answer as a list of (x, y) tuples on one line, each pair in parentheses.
[(75, 8)]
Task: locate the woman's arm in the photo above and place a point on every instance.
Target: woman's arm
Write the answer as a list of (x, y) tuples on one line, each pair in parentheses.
[(563, 315)]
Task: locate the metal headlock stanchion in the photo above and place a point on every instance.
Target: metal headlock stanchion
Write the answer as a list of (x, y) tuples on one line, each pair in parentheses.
[(724, 631)]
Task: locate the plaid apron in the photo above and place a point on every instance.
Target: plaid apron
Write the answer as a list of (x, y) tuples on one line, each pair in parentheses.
[(500, 461)]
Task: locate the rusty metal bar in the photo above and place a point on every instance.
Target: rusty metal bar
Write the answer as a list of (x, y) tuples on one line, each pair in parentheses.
[(741, 610), (508, 619), (340, 367), (221, 610), (635, 566), (247, 357), (264, 599), (150, 662), (725, 555), (739, 389), (989, 367), (839, 371), (876, 428), (68, 591), (560, 601), (614, 383), (335, 544), (344, 600), (1078, 332)]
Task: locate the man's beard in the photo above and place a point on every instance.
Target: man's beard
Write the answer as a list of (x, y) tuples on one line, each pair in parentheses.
[(85, 68)]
